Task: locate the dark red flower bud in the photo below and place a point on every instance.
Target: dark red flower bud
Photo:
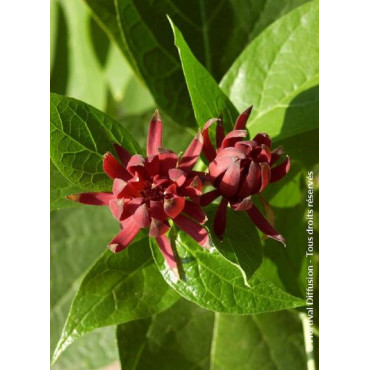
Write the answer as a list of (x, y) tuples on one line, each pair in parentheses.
[(239, 169), (147, 191)]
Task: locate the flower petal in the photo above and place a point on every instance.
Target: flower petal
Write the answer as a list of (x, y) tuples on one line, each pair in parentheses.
[(252, 182), (118, 186), (192, 188), (113, 168), (208, 149), (129, 230), (242, 119), (245, 204), (219, 166), (209, 197), (191, 154), (264, 225), (177, 175), (265, 175), (219, 223), (265, 154), (154, 140), (233, 137), (278, 172), (167, 161), (230, 180), (174, 206), (195, 211), (231, 152), (194, 230), (152, 165), (245, 146), (116, 207), (268, 210), (123, 154), (94, 199), (262, 138), (141, 216), (157, 210), (166, 249), (137, 164), (276, 154), (220, 133), (158, 228), (130, 206)]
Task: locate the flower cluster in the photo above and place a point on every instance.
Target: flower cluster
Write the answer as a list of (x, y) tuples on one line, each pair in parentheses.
[(241, 168), (149, 191)]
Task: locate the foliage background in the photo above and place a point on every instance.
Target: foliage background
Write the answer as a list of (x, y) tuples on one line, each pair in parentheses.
[(259, 54)]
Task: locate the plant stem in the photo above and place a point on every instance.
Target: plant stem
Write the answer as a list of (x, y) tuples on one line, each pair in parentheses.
[(307, 342)]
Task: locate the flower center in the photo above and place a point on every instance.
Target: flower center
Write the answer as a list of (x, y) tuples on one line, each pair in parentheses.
[(153, 192)]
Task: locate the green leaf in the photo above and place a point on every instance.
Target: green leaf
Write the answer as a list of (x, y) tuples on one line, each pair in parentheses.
[(93, 351), (278, 74), (54, 14), (269, 341), (303, 147), (286, 192), (81, 71), (291, 263), (117, 73), (59, 51), (137, 100), (206, 96), (292, 259), (59, 188), (178, 338), (188, 337), (160, 69), (241, 244), (118, 288), (217, 32), (80, 136), (77, 238), (213, 282)]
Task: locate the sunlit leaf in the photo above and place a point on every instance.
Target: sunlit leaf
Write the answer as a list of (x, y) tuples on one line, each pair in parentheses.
[(118, 288), (278, 74), (80, 136), (208, 279)]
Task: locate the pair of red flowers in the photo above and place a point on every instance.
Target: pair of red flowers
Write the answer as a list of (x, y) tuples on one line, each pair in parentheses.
[(147, 191)]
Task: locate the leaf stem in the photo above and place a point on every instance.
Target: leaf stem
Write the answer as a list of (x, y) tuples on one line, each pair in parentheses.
[(213, 345), (307, 342)]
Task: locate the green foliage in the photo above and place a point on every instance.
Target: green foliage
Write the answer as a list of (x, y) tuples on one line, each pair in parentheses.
[(211, 281), (207, 98), (193, 60), (186, 336), (77, 237), (59, 188), (217, 32), (278, 74), (80, 136), (116, 289), (241, 244), (81, 74), (93, 351), (153, 64)]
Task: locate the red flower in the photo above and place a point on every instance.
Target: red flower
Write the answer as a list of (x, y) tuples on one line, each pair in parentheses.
[(147, 191), (239, 169)]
